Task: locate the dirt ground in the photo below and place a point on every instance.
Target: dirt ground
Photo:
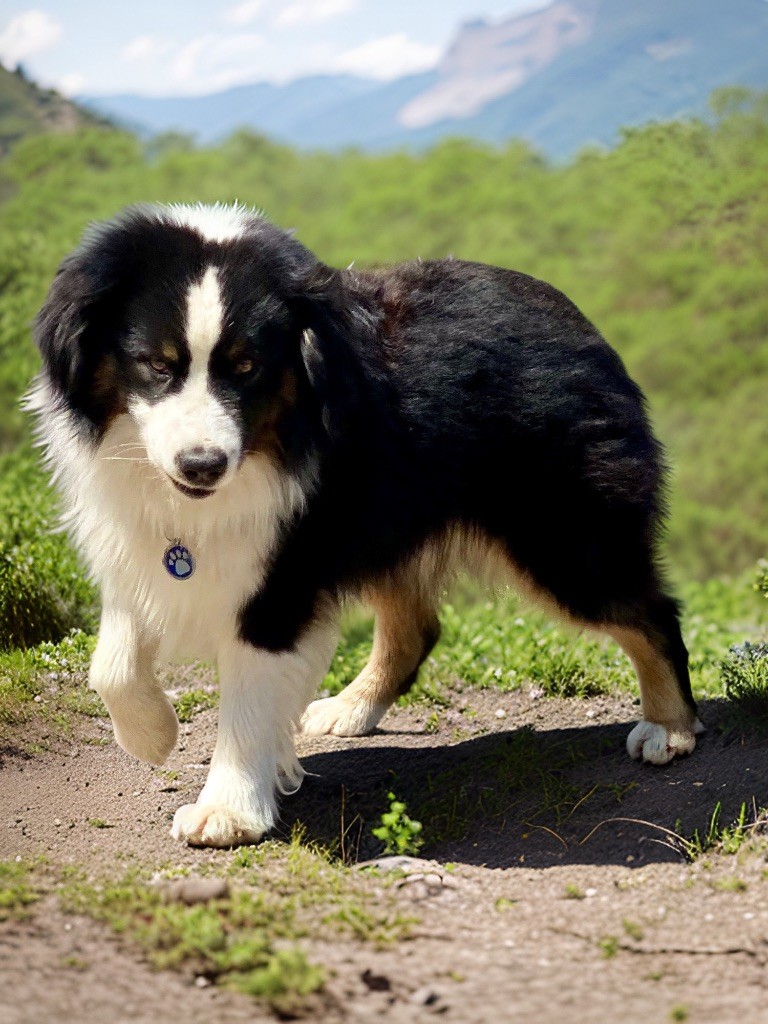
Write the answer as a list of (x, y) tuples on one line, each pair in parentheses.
[(562, 901)]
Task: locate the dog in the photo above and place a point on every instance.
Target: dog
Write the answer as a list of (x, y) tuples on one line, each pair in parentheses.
[(245, 437)]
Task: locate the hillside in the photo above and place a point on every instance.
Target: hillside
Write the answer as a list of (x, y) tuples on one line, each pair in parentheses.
[(661, 241), (563, 77), (26, 109)]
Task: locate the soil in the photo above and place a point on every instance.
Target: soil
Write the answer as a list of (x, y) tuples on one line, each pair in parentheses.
[(563, 900)]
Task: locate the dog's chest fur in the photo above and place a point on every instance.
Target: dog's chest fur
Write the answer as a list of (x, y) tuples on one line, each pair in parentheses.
[(123, 516)]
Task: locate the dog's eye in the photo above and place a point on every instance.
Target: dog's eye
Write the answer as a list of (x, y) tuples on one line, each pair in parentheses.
[(243, 367), (160, 367)]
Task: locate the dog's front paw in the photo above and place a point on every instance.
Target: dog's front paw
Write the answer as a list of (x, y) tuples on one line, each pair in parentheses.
[(660, 743), (339, 716), (215, 825), (146, 725)]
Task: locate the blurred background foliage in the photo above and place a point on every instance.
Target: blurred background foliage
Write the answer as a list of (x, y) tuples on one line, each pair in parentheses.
[(661, 241)]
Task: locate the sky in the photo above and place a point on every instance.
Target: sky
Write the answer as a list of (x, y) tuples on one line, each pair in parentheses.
[(192, 47)]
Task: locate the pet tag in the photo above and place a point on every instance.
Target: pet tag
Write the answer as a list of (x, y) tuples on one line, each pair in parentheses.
[(178, 561)]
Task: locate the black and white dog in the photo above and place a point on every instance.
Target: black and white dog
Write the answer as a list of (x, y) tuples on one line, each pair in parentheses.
[(244, 437)]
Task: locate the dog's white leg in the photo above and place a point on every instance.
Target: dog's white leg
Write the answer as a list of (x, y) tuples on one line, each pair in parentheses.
[(123, 674), (262, 697)]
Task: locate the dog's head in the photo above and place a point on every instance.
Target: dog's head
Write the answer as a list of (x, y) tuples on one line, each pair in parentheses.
[(214, 330)]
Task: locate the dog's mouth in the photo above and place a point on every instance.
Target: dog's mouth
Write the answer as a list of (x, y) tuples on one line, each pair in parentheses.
[(192, 492)]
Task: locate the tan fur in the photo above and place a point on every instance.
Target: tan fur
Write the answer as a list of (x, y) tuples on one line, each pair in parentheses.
[(660, 693)]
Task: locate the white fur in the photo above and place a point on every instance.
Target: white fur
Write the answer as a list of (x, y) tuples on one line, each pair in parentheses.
[(262, 697), (217, 223), (659, 743), (342, 716)]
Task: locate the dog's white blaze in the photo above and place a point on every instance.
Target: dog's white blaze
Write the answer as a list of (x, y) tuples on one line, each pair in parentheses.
[(193, 416), (205, 318)]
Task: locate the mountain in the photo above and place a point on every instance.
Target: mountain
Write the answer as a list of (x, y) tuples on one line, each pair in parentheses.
[(562, 77), (26, 109)]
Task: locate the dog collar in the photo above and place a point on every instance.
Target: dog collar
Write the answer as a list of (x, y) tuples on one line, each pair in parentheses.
[(178, 560)]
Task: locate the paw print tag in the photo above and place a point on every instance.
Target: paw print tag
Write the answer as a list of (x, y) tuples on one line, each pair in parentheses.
[(178, 561)]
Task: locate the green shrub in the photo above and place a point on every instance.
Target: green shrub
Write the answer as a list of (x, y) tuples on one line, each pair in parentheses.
[(43, 590), (745, 680)]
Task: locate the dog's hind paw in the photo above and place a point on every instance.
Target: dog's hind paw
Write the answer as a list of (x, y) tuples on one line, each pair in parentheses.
[(212, 825), (660, 743), (339, 716)]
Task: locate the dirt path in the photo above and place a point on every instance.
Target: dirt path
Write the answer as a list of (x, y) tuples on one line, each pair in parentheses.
[(550, 911)]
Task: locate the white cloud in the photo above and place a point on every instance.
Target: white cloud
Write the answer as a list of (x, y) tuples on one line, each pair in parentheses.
[(25, 35), (243, 14), (388, 57), (309, 11), (215, 61), (143, 48), (71, 85)]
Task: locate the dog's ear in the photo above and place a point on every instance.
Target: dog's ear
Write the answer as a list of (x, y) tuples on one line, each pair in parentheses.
[(68, 333), (336, 348)]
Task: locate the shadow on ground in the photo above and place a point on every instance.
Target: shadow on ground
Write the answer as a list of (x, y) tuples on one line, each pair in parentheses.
[(529, 797)]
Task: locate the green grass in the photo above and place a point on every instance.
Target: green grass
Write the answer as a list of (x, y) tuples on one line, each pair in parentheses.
[(18, 889), (48, 682), (193, 702), (725, 838), (254, 939)]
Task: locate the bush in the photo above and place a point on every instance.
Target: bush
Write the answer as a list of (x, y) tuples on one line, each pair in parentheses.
[(745, 678), (43, 589)]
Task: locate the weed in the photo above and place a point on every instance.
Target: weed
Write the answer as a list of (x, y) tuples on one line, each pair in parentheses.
[(730, 884), (75, 963), (99, 823), (678, 1012), (193, 702), (727, 839), (573, 892), (633, 929), (399, 833), (432, 725), (503, 903), (608, 946)]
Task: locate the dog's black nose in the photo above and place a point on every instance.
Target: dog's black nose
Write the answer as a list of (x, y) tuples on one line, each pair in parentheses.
[(202, 467)]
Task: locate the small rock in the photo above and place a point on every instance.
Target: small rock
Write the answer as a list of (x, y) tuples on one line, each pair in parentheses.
[(591, 713), (201, 981), (424, 996), (500, 713), (195, 890), (375, 982), (434, 880)]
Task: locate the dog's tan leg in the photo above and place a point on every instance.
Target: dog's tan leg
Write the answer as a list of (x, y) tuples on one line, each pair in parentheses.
[(122, 673), (405, 632), (669, 725)]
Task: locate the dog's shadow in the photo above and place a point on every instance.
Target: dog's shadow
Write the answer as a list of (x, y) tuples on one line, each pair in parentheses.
[(531, 798)]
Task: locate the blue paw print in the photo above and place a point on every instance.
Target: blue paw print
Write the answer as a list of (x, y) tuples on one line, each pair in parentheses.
[(179, 562)]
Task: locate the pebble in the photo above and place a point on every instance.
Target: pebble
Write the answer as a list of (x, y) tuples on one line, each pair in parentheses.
[(195, 890), (424, 996), (501, 713)]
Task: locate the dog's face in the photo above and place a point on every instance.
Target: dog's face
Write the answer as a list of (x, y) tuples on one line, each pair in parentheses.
[(195, 322)]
